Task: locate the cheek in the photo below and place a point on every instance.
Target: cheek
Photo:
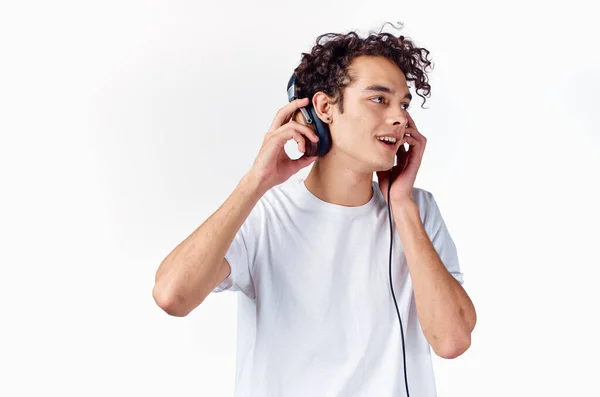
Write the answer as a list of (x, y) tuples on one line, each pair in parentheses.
[(366, 116), (357, 128), (360, 118), (354, 128)]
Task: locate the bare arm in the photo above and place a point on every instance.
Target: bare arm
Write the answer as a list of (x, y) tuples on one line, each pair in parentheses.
[(445, 311), (197, 265)]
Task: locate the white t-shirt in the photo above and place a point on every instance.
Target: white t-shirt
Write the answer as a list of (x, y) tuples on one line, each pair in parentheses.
[(316, 316)]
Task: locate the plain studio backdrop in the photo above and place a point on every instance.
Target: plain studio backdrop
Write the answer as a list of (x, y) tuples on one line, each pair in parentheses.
[(126, 124)]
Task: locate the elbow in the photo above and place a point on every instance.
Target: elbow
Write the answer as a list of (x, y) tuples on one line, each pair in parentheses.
[(169, 302), (453, 347)]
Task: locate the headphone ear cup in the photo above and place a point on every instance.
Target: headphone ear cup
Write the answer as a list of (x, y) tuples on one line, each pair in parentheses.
[(322, 131)]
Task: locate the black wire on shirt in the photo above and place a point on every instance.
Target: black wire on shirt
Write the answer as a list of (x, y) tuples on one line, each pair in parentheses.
[(392, 286)]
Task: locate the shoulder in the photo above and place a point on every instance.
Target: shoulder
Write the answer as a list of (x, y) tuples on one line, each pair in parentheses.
[(281, 194), (429, 210), (279, 199), (424, 198), (427, 204)]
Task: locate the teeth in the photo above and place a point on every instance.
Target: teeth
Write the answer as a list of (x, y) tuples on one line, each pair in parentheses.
[(387, 138)]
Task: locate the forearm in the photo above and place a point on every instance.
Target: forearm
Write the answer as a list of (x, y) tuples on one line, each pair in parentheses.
[(188, 274), (444, 309)]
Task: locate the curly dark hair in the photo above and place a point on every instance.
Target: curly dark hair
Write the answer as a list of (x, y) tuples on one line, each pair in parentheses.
[(326, 67)]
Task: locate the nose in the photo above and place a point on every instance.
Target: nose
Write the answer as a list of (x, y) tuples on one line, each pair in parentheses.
[(399, 120), (396, 117)]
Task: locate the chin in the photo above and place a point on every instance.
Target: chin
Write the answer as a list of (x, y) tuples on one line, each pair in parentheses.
[(371, 161), (384, 164), (380, 164), (384, 168)]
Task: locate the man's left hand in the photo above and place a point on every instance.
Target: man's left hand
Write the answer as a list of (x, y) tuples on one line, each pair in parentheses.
[(408, 164)]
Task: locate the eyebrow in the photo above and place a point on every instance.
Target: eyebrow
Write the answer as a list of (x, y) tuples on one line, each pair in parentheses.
[(381, 88)]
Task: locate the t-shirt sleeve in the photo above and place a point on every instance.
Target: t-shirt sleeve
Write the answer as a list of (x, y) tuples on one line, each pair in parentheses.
[(242, 254), (440, 236)]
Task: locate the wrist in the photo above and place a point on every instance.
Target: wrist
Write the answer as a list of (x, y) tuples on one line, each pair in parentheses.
[(254, 184), (404, 206)]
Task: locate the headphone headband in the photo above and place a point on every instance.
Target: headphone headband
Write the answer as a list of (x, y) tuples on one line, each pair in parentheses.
[(293, 95)]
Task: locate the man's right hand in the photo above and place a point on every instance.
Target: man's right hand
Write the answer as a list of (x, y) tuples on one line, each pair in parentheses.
[(272, 165)]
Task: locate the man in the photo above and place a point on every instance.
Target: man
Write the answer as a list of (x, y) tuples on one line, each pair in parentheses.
[(309, 258)]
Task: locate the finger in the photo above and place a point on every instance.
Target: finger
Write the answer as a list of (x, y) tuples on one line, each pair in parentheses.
[(284, 136), (402, 154), (283, 114), (414, 146), (301, 144), (296, 136), (416, 134), (412, 158), (411, 121), (303, 161), (301, 128), (411, 140), (304, 130)]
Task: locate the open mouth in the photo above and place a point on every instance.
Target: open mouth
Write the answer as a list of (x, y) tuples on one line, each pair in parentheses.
[(388, 142)]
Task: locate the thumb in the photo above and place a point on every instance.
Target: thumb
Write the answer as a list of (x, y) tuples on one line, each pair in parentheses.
[(304, 161)]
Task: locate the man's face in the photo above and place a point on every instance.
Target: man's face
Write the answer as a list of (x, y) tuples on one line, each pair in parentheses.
[(374, 106)]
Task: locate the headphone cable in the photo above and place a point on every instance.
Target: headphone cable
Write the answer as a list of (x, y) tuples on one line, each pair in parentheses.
[(392, 286)]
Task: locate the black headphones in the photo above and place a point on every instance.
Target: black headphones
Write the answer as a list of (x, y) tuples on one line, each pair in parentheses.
[(310, 115)]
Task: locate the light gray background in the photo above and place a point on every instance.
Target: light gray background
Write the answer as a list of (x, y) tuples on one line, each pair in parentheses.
[(126, 124)]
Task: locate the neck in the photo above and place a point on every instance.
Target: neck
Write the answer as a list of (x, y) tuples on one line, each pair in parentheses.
[(337, 184)]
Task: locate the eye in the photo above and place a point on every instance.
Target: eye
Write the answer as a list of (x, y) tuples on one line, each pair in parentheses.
[(405, 106), (379, 97)]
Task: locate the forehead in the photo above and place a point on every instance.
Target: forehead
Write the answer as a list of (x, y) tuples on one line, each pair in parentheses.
[(369, 70)]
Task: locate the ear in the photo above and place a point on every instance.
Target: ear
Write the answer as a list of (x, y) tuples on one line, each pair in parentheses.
[(322, 103)]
